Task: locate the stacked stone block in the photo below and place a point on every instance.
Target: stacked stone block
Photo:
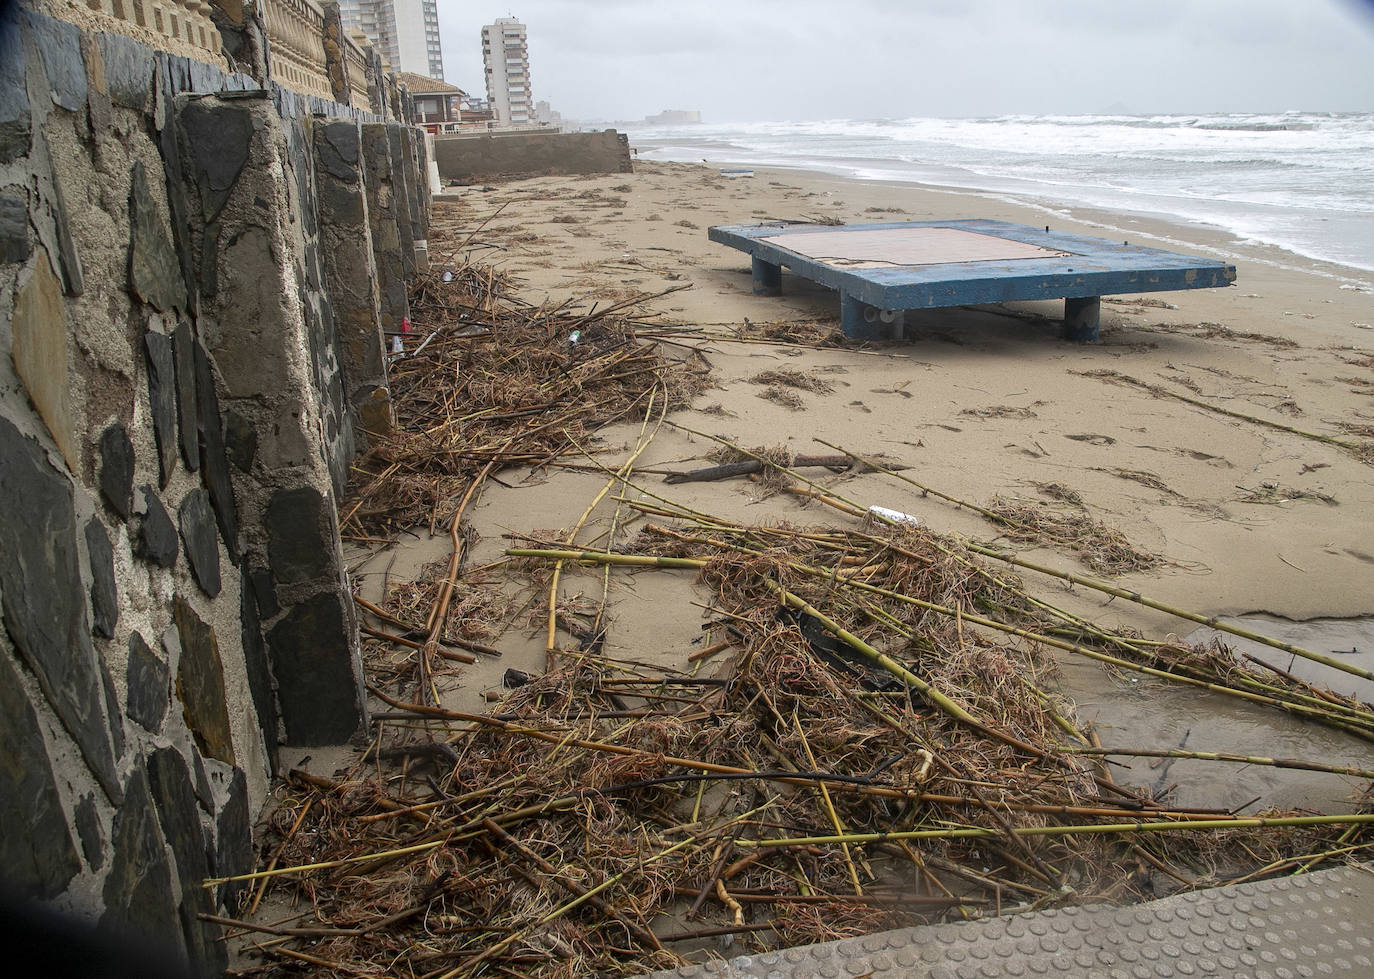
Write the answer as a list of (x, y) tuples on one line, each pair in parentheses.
[(387, 212), (351, 274)]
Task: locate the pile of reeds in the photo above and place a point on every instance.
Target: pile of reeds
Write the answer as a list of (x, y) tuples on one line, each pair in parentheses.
[(858, 746), (485, 378), (868, 736)]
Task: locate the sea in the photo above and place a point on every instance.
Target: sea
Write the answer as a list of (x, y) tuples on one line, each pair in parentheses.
[(1301, 181)]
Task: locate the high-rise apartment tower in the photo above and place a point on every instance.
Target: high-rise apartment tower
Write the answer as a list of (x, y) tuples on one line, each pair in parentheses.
[(507, 59), (406, 32)]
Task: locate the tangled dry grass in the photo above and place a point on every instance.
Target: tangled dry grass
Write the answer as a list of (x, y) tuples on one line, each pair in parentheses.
[(1064, 522), (792, 378), (610, 817), (493, 378), (867, 736)]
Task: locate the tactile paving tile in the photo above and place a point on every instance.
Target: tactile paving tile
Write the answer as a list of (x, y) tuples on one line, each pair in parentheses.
[(1320, 924)]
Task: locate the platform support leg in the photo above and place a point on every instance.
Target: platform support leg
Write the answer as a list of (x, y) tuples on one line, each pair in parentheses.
[(1082, 319), (767, 278), (861, 321)]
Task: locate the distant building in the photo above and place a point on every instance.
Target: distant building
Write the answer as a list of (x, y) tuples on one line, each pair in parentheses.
[(437, 103), (474, 110), (505, 53), (406, 32), (674, 117), (545, 115)]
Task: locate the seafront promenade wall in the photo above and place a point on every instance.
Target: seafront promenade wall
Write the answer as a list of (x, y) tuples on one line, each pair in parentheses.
[(191, 353), (465, 159)]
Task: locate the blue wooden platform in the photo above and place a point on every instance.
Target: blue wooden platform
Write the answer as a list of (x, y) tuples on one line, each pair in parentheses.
[(913, 265)]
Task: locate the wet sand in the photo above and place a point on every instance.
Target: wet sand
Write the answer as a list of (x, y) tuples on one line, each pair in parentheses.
[(979, 403)]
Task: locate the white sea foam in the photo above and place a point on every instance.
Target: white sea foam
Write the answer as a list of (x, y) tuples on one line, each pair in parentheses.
[(1301, 181)]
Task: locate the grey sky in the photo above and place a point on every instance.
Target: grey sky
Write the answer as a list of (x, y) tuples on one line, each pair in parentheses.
[(744, 60)]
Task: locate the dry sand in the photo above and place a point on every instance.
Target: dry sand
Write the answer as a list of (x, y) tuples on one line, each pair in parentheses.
[(979, 403)]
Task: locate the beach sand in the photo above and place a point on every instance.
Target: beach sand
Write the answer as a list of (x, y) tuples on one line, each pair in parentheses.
[(979, 403)]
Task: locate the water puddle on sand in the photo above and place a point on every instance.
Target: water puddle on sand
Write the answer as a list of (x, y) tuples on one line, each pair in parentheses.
[(1134, 711), (1348, 640)]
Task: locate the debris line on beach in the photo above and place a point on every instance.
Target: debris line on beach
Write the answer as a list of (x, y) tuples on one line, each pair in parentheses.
[(867, 734)]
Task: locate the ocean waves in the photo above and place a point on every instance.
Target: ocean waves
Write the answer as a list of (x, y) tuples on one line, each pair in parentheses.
[(1302, 181)]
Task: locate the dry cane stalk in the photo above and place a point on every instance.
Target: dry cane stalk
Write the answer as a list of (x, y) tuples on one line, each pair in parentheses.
[(439, 613), (1096, 829), (1294, 763), (624, 471), (1109, 589)]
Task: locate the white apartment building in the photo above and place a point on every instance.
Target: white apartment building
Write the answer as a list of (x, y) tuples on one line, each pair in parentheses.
[(506, 56), (406, 32)]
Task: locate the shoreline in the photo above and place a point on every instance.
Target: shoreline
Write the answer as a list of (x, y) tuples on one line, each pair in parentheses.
[(1224, 242), (1252, 178), (1181, 233)]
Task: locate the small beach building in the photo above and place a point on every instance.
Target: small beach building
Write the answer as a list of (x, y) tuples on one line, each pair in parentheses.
[(437, 103)]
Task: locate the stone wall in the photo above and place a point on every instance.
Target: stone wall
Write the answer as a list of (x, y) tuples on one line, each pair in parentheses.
[(465, 159), (190, 353)]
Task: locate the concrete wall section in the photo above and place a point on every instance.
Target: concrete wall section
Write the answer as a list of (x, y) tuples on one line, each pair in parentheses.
[(464, 159), (183, 334)]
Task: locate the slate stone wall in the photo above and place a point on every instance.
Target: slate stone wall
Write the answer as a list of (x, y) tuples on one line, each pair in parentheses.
[(385, 200), (180, 368), (351, 273)]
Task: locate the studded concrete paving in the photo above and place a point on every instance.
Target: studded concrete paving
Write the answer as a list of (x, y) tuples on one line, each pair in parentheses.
[(1320, 924)]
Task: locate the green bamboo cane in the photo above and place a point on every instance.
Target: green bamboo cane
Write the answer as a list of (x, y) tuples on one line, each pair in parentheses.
[(1091, 829), (1307, 860), (1284, 699), (945, 703), (934, 696), (1353, 724), (1211, 622), (1347, 722), (1295, 763), (1288, 701), (323, 865)]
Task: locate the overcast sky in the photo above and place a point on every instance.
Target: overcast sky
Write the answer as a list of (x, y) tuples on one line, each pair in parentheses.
[(776, 60)]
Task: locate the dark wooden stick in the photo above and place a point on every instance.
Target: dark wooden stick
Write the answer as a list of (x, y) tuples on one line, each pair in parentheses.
[(412, 644), (274, 930), (747, 466)]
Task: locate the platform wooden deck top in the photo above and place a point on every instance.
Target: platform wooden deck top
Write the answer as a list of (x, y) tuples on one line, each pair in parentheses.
[(881, 270), (889, 247)]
